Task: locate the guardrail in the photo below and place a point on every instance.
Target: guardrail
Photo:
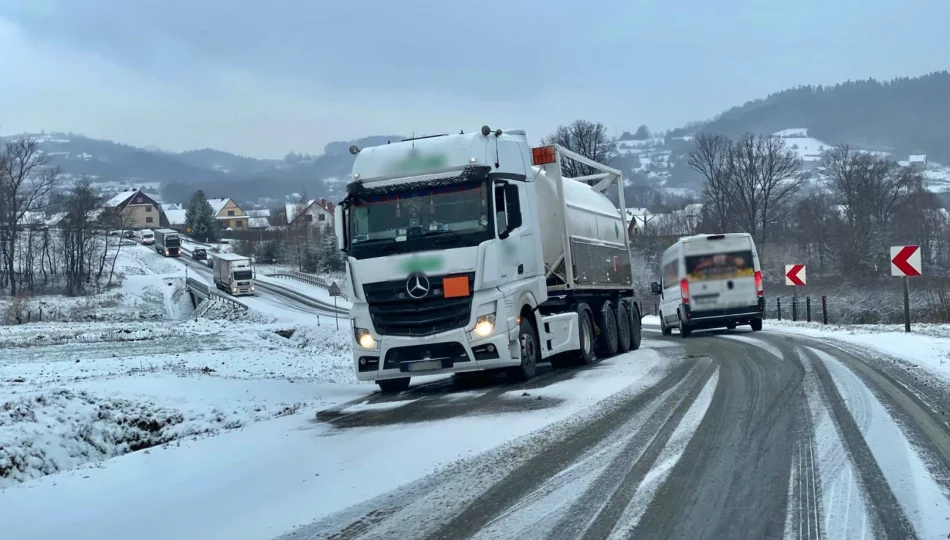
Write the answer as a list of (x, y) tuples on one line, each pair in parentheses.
[(204, 291), (309, 279)]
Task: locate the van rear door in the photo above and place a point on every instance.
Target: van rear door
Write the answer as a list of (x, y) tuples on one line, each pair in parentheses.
[(721, 273)]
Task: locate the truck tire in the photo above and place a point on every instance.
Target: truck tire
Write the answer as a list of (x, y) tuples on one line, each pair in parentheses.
[(624, 327), (685, 330), (636, 331), (606, 344), (530, 351), (756, 325), (585, 328), (393, 386), (664, 329), (730, 326)]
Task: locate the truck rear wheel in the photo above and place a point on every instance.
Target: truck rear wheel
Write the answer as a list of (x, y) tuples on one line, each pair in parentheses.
[(530, 351), (636, 331), (585, 327), (606, 344), (624, 328), (393, 386)]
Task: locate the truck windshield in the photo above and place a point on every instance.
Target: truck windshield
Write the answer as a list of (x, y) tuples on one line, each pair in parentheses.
[(172, 241), (419, 219), (720, 266), (242, 275)]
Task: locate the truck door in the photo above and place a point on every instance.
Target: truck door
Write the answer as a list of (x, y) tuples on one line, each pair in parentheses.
[(517, 249)]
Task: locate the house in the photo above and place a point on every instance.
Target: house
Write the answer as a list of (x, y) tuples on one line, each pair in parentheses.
[(137, 210), (258, 223), (918, 162), (172, 206), (228, 214), (316, 212), (176, 219), (258, 213)]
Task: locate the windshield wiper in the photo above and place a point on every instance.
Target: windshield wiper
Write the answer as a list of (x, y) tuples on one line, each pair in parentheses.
[(455, 237)]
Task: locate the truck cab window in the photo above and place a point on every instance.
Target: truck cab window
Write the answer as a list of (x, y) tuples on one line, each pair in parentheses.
[(507, 207)]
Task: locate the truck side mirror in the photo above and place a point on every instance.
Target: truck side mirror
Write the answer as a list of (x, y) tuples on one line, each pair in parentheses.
[(655, 288), (338, 228)]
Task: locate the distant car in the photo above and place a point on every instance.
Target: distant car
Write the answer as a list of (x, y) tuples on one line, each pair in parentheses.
[(129, 234), (199, 254)]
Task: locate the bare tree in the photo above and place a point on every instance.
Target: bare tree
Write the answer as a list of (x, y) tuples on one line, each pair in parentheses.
[(79, 239), (25, 181), (872, 190), (710, 158), (766, 176), (588, 139)]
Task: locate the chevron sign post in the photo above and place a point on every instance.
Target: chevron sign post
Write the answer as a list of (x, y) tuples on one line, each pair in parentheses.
[(905, 263)]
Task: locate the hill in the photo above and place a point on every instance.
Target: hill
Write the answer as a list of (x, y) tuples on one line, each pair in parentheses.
[(902, 116)]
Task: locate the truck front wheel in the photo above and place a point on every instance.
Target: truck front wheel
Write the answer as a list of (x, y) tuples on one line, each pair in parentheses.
[(530, 351), (393, 386)]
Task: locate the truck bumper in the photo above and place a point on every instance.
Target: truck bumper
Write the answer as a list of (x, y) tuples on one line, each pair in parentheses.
[(448, 352)]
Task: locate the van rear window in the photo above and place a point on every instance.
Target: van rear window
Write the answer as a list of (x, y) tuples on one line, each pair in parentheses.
[(720, 265)]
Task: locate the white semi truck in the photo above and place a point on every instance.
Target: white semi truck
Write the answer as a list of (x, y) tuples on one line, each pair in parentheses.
[(472, 252), (167, 242), (233, 273)]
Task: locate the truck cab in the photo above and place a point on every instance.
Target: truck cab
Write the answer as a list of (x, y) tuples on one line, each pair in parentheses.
[(445, 268)]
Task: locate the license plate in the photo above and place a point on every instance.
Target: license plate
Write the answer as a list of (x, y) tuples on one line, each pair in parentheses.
[(425, 366)]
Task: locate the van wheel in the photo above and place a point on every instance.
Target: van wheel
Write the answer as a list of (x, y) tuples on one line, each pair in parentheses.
[(664, 329), (585, 326), (607, 340), (685, 330), (624, 327), (756, 325), (530, 352), (393, 386)]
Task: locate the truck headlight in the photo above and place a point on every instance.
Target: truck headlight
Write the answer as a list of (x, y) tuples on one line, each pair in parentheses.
[(252, 288), (484, 326), (364, 338)]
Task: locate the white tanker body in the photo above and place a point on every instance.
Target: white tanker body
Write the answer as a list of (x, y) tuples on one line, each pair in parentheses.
[(472, 252)]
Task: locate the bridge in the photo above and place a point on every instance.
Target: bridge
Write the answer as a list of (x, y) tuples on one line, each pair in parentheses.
[(200, 292)]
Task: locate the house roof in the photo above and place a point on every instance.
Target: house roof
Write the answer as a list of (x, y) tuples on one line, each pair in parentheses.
[(172, 206), (175, 217), (217, 205), (291, 209), (119, 198), (257, 223), (258, 212), (54, 219)]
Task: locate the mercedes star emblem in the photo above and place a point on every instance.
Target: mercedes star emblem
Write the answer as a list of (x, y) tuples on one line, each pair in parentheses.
[(417, 286)]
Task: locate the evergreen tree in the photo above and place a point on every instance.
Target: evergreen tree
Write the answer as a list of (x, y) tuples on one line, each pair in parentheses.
[(331, 258), (200, 220)]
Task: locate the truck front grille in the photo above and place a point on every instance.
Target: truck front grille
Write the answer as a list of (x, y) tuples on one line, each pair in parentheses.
[(395, 313)]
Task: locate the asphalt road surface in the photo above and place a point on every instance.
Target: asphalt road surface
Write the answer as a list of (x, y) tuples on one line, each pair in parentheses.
[(746, 435)]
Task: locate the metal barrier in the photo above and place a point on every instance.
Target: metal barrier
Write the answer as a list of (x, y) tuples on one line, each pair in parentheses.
[(307, 278), (202, 290)]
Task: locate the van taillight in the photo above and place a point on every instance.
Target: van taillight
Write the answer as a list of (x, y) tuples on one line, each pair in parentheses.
[(758, 283), (684, 290)]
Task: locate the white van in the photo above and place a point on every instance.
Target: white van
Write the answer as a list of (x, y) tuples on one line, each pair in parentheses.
[(710, 281), (146, 237)]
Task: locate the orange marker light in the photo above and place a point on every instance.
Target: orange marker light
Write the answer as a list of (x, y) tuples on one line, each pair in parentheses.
[(542, 155)]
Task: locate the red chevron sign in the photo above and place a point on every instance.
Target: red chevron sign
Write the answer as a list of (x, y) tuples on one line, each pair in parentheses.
[(905, 261), (795, 274)]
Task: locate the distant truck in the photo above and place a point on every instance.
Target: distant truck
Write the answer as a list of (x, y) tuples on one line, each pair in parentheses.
[(168, 243), (233, 273), (146, 237), (473, 252)]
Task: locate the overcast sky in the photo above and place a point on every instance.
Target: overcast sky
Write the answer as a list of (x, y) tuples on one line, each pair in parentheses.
[(264, 78)]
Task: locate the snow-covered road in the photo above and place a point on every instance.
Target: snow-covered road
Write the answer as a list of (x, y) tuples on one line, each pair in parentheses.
[(774, 434)]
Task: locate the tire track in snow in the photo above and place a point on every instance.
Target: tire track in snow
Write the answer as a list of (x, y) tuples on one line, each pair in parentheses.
[(599, 507), (851, 414), (541, 468)]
